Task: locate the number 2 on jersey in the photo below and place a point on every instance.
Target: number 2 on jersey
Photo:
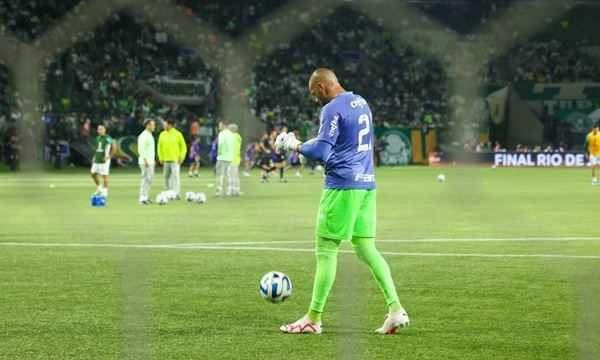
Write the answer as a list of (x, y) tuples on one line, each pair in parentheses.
[(364, 141)]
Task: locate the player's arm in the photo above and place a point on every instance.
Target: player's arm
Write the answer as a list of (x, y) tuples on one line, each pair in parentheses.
[(315, 149), (144, 148), (95, 147), (182, 148), (111, 150), (107, 149), (320, 147), (161, 149)]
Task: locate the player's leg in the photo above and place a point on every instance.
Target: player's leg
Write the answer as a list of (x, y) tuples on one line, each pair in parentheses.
[(264, 174), (282, 165), (197, 166), (146, 183), (236, 174), (595, 162), (96, 179), (228, 191), (335, 221), (177, 180), (192, 168), (95, 176), (105, 183), (247, 166), (367, 252), (143, 193), (104, 171), (235, 179), (219, 177), (363, 242), (326, 255), (266, 170), (167, 175), (281, 173)]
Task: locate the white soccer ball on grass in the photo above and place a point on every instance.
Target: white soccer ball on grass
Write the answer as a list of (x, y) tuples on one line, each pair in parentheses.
[(195, 197), (171, 195), (162, 199), (200, 198), (275, 287), (189, 196), (441, 178)]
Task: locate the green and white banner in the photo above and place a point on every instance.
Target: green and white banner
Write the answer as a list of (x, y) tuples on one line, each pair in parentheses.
[(571, 103), (396, 145)]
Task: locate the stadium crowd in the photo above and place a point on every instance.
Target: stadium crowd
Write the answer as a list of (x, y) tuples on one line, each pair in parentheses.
[(106, 75), (114, 73), (404, 87)]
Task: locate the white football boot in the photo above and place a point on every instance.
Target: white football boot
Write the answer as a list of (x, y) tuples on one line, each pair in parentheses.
[(394, 321), (302, 326)]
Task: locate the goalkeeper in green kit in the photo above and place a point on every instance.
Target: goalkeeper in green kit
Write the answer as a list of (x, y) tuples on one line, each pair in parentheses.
[(347, 207)]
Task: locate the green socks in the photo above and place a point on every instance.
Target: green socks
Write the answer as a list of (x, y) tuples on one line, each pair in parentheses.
[(327, 251), (368, 253), (314, 316), (394, 307)]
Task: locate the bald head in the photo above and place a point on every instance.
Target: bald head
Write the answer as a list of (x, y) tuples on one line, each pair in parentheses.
[(324, 85), (323, 75)]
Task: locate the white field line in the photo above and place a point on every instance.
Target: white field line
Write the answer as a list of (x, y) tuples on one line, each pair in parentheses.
[(395, 253), (499, 239), (283, 249), (426, 240), (284, 242)]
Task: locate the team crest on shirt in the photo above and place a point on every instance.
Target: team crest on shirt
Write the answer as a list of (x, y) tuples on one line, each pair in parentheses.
[(334, 125)]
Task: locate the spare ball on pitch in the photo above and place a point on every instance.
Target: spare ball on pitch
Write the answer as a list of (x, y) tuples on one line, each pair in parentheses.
[(200, 198), (441, 178), (189, 196), (275, 287), (162, 199)]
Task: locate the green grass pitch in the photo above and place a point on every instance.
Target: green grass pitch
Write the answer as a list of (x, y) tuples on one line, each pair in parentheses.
[(491, 264)]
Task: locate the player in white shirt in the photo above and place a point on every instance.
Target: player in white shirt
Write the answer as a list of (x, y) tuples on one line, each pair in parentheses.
[(146, 159)]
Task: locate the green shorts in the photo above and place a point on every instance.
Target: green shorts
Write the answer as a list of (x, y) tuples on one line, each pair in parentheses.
[(344, 214)]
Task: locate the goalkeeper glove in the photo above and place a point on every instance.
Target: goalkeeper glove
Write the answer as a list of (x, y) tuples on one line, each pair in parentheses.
[(286, 142)]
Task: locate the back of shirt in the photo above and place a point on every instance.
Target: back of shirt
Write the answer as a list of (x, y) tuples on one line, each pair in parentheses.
[(347, 124)]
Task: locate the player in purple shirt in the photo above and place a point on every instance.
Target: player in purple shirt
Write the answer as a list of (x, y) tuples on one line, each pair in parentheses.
[(194, 156), (347, 208)]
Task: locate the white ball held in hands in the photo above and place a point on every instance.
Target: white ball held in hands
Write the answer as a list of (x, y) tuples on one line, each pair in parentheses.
[(286, 142)]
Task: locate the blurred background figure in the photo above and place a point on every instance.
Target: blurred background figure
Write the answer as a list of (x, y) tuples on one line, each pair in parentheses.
[(250, 154), (171, 153), (146, 159), (194, 157), (101, 160), (234, 174), (225, 156)]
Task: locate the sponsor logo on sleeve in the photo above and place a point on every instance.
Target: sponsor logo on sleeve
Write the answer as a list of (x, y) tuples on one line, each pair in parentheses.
[(334, 125)]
